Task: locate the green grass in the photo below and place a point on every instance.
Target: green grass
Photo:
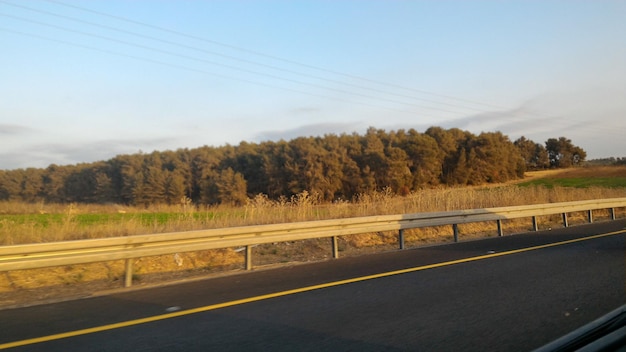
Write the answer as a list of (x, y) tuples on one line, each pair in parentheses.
[(46, 220), (578, 182)]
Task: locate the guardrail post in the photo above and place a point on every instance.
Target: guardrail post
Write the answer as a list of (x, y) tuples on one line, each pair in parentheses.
[(128, 275), (499, 223), (401, 238), (590, 215), (248, 257), (455, 229), (612, 213), (535, 225), (565, 224), (333, 241)]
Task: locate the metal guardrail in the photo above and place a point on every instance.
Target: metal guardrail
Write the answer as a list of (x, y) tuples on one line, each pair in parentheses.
[(41, 255)]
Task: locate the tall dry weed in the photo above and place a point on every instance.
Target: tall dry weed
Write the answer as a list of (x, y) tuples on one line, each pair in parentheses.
[(262, 210)]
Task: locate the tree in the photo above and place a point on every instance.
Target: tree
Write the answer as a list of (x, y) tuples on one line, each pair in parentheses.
[(534, 154), (358, 177), (53, 183), (179, 162), (104, 191), (153, 186), (129, 177), (424, 157), (10, 185), (339, 168), (331, 167), (460, 173), (451, 143), (397, 174), (277, 158), (229, 187), (174, 189), (562, 153), (248, 161), (205, 163), (374, 160), (579, 155), (31, 185), (313, 166)]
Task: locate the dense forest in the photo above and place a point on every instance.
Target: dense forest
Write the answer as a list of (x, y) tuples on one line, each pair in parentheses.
[(331, 167)]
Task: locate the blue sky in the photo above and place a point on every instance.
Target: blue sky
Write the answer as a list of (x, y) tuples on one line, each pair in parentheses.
[(82, 81)]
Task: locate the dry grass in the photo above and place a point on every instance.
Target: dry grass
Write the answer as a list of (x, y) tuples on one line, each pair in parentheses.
[(73, 222), (70, 223)]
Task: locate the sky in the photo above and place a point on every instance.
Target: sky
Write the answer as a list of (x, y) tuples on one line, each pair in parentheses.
[(84, 81)]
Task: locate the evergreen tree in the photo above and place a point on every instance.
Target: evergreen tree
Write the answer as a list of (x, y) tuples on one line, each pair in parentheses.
[(9, 185), (229, 187), (31, 184), (174, 189), (331, 167)]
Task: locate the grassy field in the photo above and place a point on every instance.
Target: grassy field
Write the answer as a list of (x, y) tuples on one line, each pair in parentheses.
[(604, 177), (579, 182), (31, 223)]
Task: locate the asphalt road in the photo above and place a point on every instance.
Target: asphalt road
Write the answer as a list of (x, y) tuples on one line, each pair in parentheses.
[(488, 295)]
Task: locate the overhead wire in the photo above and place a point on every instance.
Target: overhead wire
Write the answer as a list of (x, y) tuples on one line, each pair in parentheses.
[(191, 69), (272, 57), (273, 67), (234, 58), (473, 110), (187, 57), (534, 114)]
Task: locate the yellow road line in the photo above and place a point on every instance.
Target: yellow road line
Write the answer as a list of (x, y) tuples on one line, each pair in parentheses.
[(285, 293)]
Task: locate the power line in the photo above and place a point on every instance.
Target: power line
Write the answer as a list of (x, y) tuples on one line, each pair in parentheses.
[(309, 66), (191, 69), (272, 57), (187, 57), (230, 57), (245, 61)]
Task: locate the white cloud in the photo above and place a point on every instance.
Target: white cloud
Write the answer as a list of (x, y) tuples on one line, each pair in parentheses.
[(14, 130), (42, 155), (318, 129)]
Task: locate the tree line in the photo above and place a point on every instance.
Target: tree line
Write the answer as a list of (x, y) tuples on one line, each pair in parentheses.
[(612, 161), (332, 167)]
